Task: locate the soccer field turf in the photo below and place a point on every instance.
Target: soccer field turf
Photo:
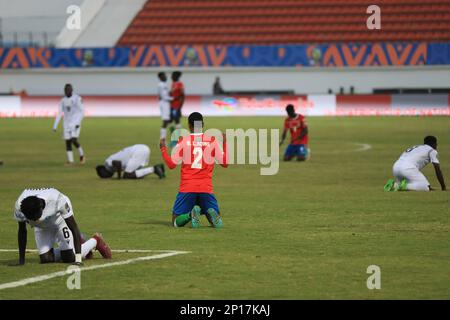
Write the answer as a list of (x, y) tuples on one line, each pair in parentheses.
[(309, 232)]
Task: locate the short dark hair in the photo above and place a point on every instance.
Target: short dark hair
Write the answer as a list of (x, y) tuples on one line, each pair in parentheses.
[(290, 108), (176, 75), (103, 173), (161, 74), (195, 116), (31, 207), (430, 140)]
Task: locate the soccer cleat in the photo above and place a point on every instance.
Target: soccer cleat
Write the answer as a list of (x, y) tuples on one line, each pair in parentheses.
[(389, 186), (102, 247), (195, 217), (402, 186), (215, 218), (82, 159), (68, 164), (158, 171)]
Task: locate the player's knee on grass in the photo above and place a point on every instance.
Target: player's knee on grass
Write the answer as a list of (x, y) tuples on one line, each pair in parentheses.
[(301, 158), (69, 145), (287, 158), (47, 257), (67, 256)]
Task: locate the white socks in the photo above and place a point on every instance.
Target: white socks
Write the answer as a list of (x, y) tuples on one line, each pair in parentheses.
[(86, 247), (70, 156), (162, 133), (143, 172), (80, 151)]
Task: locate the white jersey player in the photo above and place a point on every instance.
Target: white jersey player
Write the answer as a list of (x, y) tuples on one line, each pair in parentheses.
[(132, 161), (164, 103), (72, 108), (407, 168), (50, 214)]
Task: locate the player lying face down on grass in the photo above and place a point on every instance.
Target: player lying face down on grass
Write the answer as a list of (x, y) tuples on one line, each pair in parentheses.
[(296, 124), (132, 161), (407, 168), (50, 214), (197, 154), (72, 108)]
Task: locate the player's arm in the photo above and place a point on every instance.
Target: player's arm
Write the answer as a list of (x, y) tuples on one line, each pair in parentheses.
[(58, 116), (71, 223), (165, 95), (439, 175), (22, 240), (283, 136), (220, 155), (171, 161), (182, 96), (81, 115), (117, 165), (303, 133)]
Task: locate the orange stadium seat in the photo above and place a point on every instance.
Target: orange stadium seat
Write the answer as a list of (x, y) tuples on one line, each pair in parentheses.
[(203, 22)]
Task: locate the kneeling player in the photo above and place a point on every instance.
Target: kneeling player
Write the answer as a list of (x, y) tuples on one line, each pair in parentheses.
[(50, 213), (298, 146), (407, 168), (133, 161), (197, 154)]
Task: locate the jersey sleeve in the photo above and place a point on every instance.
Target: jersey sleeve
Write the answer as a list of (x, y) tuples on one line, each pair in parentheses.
[(433, 156), (286, 124), (64, 206)]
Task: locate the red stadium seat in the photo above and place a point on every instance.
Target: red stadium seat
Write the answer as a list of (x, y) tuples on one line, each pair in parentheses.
[(285, 21)]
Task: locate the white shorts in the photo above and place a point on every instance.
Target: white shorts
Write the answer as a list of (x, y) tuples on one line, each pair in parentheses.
[(47, 238), (164, 107), (415, 180), (71, 132), (140, 158)]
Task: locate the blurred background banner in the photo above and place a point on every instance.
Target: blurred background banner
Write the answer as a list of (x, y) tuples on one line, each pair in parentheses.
[(302, 55), (248, 105)]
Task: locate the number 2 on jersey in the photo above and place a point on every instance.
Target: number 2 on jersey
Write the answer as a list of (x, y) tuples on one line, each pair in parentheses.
[(198, 155)]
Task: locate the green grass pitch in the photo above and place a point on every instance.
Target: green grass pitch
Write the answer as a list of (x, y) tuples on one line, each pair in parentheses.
[(309, 232)]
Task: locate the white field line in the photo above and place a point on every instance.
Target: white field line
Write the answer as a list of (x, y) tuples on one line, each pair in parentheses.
[(113, 250), (363, 147), (44, 277)]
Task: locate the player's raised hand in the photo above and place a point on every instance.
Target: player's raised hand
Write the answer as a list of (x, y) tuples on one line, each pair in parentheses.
[(162, 142)]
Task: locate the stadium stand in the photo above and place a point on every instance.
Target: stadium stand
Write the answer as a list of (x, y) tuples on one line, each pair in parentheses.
[(225, 22)]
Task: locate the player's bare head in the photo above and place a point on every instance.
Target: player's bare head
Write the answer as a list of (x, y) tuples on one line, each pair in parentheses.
[(68, 89), (195, 121), (103, 173), (431, 141), (162, 76), (176, 75), (290, 110), (32, 207)]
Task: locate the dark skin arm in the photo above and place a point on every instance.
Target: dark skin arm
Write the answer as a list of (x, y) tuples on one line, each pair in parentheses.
[(71, 223), (304, 133), (283, 136), (439, 176), (117, 165), (22, 239)]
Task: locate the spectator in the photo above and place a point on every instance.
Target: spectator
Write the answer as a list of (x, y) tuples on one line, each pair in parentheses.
[(217, 88)]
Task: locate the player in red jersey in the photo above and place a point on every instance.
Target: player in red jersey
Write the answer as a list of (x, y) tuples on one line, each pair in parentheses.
[(177, 94), (299, 135), (197, 154)]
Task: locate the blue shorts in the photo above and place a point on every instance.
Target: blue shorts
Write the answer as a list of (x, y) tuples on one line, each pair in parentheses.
[(185, 201), (296, 150)]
